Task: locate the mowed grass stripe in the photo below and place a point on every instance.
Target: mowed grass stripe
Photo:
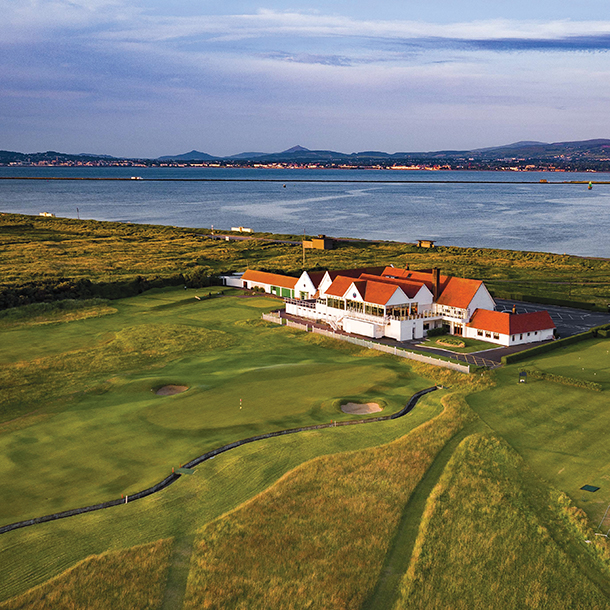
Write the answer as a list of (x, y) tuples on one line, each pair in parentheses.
[(122, 580)]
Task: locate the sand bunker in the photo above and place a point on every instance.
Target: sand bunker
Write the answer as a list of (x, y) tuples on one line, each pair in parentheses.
[(360, 408), (170, 390)]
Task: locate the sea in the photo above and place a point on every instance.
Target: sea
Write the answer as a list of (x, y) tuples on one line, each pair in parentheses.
[(509, 210)]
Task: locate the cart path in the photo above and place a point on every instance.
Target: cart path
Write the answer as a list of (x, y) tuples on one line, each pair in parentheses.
[(172, 478)]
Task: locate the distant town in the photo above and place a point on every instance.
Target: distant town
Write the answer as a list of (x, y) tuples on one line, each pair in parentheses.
[(581, 156)]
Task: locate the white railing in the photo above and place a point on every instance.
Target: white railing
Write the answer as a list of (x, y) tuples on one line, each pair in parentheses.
[(300, 302)]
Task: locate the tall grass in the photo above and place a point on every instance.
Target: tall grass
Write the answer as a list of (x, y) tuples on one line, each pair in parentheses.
[(316, 539), (489, 539), (130, 579)]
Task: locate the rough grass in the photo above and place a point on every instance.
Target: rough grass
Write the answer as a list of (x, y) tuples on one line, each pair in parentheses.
[(131, 579), (487, 539), (317, 539), (68, 310), (32, 383)]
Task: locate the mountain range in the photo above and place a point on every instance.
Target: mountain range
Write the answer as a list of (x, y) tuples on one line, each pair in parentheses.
[(586, 150)]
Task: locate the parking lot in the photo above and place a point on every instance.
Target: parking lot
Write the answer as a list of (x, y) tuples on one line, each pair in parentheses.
[(568, 321)]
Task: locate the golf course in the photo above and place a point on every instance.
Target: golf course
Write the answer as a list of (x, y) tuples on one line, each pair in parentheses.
[(102, 399)]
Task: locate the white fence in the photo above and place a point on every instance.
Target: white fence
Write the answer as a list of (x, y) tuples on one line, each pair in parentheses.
[(380, 347)]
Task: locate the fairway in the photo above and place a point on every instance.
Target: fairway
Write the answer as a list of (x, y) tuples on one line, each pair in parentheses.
[(83, 420), (561, 431)]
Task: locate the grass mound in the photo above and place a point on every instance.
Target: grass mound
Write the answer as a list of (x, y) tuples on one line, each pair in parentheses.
[(122, 580), (68, 310), (488, 539)]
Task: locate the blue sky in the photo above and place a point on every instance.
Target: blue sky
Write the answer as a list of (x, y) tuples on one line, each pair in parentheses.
[(146, 78)]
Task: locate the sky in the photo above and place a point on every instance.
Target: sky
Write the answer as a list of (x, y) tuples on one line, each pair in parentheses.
[(144, 78)]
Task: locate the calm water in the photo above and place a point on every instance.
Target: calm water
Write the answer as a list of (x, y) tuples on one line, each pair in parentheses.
[(550, 217)]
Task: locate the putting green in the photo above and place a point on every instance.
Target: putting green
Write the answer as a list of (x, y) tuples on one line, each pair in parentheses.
[(88, 426)]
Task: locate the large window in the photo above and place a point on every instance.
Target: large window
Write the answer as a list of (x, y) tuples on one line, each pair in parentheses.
[(336, 303), (374, 310), (354, 305)]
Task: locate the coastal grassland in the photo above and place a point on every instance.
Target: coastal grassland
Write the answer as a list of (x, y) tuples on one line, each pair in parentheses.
[(561, 431), (123, 580), (317, 539), (82, 423), (31, 556), (494, 535), (46, 258)]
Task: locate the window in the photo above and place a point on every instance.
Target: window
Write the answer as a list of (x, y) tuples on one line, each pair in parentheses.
[(496, 336), (480, 333), (528, 334), (521, 336), (536, 332), (487, 334)]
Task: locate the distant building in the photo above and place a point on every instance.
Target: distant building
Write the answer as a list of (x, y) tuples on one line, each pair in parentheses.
[(241, 229), (320, 243), (425, 243)]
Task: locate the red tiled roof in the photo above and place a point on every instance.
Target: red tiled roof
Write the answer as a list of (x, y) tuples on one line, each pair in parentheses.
[(273, 279), (511, 323), (459, 292), (339, 286), (378, 292), (355, 273), (408, 287), (425, 277)]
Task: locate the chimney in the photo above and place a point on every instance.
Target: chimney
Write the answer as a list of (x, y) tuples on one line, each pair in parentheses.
[(436, 280)]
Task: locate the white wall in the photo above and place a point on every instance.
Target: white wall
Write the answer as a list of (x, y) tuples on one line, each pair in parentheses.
[(481, 300), (360, 327)]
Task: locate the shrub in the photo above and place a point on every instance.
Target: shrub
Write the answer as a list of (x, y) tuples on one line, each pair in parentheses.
[(437, 332)]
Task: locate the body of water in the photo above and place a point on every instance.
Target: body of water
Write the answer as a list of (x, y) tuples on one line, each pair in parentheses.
[(510, 210)]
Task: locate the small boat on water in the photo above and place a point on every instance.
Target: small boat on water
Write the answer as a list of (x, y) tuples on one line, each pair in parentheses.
[(590, 186)]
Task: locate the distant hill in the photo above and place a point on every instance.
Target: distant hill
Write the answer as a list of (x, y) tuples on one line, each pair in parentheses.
[(194, 155)]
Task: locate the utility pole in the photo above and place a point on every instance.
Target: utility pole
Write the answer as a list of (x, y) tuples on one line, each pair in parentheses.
[(303, 249)]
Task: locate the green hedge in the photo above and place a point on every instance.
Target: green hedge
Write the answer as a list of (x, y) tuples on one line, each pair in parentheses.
[(562, 379)]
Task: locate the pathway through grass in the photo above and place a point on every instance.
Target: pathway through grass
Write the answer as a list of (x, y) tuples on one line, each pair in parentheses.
[(180, 562), (399, 556)]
